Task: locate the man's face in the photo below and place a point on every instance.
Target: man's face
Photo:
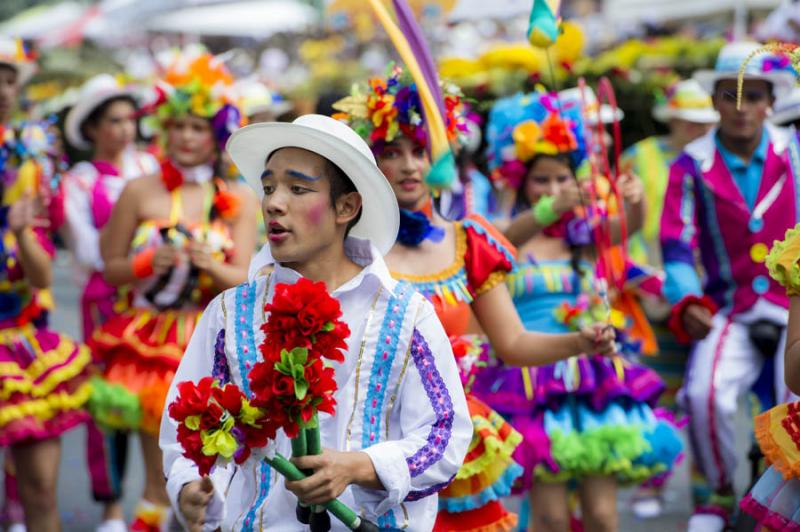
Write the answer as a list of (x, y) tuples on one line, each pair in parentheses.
[(298, 214), (744, 123)]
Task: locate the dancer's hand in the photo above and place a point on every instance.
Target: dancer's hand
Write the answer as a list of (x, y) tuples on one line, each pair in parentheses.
[(569, 197), (193, 501), (200, 255), (631, 188), (164, 258), (333, 472), (697, 320), (598, 339), (22, 214)]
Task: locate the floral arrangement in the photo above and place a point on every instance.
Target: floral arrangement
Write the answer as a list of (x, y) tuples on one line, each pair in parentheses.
[(217, 422), (388, 107), (302, 333), (524, 125), (294, 382), (783, 261)]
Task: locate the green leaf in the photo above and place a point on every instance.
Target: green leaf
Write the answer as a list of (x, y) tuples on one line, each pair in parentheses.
[(299, 355), (300, 389), (328, 327)]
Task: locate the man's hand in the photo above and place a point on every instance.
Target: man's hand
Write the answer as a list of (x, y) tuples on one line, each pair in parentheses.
[(598, 339), (333, 472), (193, 501), (697, 320)]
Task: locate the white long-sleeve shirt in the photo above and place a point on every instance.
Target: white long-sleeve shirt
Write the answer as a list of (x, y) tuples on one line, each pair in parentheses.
[(82, 234), (399, 399)]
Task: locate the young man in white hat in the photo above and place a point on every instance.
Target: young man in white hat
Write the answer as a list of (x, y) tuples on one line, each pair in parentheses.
[(104, 122), (730, 194), (331, 215)]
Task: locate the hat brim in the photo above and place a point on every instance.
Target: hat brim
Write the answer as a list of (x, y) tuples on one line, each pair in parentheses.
[(25, 70), (782, 82), (608, 115), (664, 113), (380, 217), (785, 116), (81, 111)]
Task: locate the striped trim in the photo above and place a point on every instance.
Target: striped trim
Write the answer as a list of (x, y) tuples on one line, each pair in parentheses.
[(794, 161), (442, 406), (383, 360), (716, 451), (687, 209), (713, 227), (246, 350), (264, 481)]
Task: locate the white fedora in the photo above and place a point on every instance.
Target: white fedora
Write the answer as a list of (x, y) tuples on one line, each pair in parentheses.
[(250, 146), (94, 92), (686, 100), (787, 109), (764, 66), (13, 54), (592, 109)]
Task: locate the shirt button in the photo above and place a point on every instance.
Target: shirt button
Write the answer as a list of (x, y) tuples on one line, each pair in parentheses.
[(759, 252), (760, 285), (755, 225)]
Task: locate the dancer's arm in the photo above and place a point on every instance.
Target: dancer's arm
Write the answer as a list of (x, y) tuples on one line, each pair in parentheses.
[(792, 354), (526, 225), (116, 237), (34, 259), (517, 347), (243, 232)]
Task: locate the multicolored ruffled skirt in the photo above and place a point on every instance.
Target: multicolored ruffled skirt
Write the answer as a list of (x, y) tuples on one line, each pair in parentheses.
[(775, 499), (43, 384), (585, 416), (141, 349), (472, 501)]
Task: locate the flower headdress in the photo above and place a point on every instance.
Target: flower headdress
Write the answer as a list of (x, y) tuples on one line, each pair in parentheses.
[(391, 106), (525, 125), (198, 83)]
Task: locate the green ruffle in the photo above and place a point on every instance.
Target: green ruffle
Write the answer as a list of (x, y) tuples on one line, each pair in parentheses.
[(113, 407), (782, 261), (605, 451)]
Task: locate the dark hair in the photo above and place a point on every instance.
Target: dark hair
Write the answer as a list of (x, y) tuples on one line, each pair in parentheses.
[(523, 204), (97, 113), (340, 185)]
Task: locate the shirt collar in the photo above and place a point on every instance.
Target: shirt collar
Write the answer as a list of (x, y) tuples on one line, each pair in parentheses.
[(702, 150), (363, 253), (735, 162)]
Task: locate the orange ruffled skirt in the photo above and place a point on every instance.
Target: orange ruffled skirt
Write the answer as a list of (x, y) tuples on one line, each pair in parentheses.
[(141, 349), (43, 384), (472, 501)]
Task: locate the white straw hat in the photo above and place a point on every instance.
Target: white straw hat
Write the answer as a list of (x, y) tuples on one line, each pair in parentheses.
[(250, 146)]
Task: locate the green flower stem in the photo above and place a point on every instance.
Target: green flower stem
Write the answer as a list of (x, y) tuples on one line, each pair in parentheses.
[(300, 444), (339, 510), (313, 440)]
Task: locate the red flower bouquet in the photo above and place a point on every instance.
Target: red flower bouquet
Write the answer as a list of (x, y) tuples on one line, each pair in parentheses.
[(218, 423)]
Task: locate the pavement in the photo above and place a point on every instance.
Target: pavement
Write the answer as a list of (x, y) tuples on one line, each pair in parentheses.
[(80, 514)]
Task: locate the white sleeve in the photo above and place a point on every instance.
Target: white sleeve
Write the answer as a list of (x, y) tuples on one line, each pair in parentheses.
[(435, 423), (197, 362), (82, 236)]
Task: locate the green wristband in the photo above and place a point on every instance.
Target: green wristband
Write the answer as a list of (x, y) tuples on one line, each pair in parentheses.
[(544, 213)]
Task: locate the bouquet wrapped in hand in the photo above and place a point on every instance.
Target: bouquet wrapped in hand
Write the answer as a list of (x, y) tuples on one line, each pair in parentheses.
[(294, 382)]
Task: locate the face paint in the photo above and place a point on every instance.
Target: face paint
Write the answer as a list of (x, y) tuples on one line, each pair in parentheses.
[(301, 175), (316, 213)]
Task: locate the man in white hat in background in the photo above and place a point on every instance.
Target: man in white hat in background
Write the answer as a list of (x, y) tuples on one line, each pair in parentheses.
[(731, 193), (689, 113), (331, 216)]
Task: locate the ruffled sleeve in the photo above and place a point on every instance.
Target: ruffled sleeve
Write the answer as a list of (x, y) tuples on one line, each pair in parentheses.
[(782, 261), (489, 256)]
